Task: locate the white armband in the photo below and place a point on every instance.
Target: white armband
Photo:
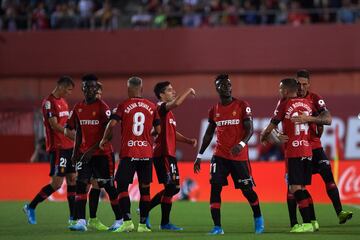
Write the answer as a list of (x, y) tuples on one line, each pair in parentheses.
[(242, 144), (199, 156)]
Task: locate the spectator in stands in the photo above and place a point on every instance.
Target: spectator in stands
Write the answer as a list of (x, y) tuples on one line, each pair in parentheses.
[(297, 16), (107, 16), (141, 18), (190, 17), (40, 19), (86, 8), (346, 14)]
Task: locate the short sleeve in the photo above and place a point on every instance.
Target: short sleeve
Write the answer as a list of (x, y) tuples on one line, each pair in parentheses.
[(279, 112), (117, 113), (71, 121), (211, 115), (319, 103), (162, 109), (246, 111), (49, 109)]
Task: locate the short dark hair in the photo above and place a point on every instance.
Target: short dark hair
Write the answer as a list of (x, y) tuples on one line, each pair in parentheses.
[(134, 81), (221, 77), (89, 77), (65, 81), (303, 73), (99, 85), (160, 88), (291, 84)]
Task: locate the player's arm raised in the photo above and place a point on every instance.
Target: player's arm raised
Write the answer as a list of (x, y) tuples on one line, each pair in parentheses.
[(205, 143), (182, 138), (249, 130), (180, 99)]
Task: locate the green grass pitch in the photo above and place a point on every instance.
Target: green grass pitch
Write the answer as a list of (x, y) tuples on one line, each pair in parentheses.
[(237, 222)]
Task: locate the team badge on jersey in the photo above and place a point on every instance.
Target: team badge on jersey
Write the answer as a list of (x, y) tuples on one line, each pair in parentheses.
[(47, 105), (80, 110), (234, 113), (217, 115), (94, 113)]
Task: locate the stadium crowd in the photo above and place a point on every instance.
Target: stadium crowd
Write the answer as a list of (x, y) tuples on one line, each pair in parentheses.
[(114, 14)]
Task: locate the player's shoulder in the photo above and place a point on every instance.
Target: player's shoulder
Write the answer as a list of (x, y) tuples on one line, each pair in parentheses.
[(149, 102), (314, 96), (102, 103), (241, 102)]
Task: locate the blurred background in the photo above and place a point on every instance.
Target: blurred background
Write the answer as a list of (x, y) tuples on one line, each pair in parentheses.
[(187, 42)]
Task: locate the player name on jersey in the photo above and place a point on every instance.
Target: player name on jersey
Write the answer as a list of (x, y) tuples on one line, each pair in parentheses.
[(138, 104), (296, 105)]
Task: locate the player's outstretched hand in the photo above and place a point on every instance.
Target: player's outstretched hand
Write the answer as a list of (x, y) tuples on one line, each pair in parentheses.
[(283, 138), (192, 92), (193, 142), (235, 150), (197, 165)]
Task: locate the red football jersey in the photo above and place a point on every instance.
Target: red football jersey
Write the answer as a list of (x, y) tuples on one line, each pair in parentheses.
[(55, 107), (299, 134), (137, 116), (229, 128), (165, 143), (318, 104), (92, 119)]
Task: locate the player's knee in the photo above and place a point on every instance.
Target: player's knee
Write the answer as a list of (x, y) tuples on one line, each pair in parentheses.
[(81, 187), (122, 187), (145, 190), (294, 188), (177, 189), (71, 179), (326, 174), (170, 190)]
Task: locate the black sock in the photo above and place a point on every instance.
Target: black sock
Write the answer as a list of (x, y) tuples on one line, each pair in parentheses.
[(166, 204), (333, 193), (311, 206), (331, 188), (144, 203), (80, 200), (253, 200), (114, 201), (71, 192), (156, 200), (303, 203), (124, 201), (291, 203), (44, 193), (94, 201), (215, 204)]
